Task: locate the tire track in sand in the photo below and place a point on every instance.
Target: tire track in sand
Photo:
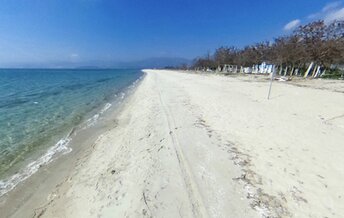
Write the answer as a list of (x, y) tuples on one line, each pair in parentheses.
[(198, 208)]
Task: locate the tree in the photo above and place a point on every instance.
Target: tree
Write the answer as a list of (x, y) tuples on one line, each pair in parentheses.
[(312, 36), (225, 55), (313, 42)]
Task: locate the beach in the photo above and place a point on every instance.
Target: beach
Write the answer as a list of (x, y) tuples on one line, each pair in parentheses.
[(201, 145)]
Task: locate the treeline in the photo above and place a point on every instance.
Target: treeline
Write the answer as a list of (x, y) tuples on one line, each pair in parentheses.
[(316, 42)]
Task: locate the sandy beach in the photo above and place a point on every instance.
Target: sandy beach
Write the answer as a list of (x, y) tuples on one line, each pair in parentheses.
[(188, 145)]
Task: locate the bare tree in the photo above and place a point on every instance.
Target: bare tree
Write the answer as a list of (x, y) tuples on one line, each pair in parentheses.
[(314, 42)]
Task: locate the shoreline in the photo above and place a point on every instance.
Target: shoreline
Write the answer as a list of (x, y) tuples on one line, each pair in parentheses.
[(79, 139), (207, 146)]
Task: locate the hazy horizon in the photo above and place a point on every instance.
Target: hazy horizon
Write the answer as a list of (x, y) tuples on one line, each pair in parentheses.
[(153, 62), (105, 33)]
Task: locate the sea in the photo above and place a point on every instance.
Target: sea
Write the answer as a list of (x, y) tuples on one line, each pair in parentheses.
[(42, 109)]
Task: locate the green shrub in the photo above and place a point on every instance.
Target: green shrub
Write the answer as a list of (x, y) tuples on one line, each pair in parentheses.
[(333, 74)]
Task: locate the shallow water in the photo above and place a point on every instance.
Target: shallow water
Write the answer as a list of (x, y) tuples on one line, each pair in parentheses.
[(39, 108)]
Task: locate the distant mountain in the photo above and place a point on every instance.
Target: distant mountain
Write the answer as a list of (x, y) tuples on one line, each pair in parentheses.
[(159, 62), (88, 67)]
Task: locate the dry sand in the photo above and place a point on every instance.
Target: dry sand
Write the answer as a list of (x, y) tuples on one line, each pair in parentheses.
[(190, 145)]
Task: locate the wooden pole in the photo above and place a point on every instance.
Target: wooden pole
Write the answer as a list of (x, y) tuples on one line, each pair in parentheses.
[(318, 72), (314, 70), (292, 71), (308, 70), (272, 77), (280, 71)]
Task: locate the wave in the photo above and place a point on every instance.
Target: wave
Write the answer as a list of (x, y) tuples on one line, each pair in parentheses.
[(59, 148), (92, 121)]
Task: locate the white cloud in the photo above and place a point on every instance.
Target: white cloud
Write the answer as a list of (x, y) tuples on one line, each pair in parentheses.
[(330, 12), (334, 15), (314, 16), (331, 6), (292, 25)]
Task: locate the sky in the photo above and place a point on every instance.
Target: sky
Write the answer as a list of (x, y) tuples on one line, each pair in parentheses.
[(57, 33)]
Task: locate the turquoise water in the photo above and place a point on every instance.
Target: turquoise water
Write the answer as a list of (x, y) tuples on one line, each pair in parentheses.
[(39, 108)]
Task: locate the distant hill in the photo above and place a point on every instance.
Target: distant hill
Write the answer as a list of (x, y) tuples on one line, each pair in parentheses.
[(155, 63), (88, 67), (158, 62)]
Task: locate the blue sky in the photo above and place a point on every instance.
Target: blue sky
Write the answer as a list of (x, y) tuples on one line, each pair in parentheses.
[(101, 32)]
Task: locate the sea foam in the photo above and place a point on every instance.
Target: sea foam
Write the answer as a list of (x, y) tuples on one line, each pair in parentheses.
[(61, 147), (55, 97)]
